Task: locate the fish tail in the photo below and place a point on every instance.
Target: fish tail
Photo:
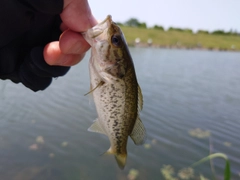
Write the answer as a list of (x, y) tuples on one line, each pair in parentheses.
[(120, 158)]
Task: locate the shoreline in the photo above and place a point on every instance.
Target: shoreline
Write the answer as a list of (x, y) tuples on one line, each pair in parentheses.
[(180, 40), (145, 45)]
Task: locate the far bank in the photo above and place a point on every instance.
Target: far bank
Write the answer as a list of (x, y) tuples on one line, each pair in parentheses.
[(182, 40)]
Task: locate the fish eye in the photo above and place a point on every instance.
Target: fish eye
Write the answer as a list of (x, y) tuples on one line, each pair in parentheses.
[(116, 40)]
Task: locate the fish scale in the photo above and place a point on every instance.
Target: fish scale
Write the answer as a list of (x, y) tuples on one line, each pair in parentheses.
[(116, 93)]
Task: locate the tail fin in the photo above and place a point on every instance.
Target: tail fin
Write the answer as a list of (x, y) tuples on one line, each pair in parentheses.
[(120, 158)]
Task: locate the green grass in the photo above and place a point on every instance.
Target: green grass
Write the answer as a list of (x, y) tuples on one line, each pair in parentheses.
[(227, 171), (182, 39)]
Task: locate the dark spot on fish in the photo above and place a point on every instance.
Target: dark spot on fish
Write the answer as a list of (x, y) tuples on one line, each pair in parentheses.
[(120, 75), (117, 134), (115, 123), (115, 52), (112, 86), (108, 52)]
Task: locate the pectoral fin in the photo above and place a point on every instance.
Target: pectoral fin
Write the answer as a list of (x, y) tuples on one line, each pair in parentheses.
[(138, 134), (95, 127), (91, 90)]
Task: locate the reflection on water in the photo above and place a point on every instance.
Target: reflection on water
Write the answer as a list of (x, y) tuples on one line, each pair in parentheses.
[(187, 95)]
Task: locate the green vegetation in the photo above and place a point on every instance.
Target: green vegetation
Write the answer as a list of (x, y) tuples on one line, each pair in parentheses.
[(188, 173), (133, 22), (202, 32), (158, 27), (180, 38), (227, 171)]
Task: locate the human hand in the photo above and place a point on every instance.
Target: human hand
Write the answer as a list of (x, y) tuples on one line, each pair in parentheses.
[(71, 47), (24, 55)]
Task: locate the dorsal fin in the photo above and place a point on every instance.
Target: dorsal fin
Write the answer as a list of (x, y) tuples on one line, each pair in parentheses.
[(140, 99)]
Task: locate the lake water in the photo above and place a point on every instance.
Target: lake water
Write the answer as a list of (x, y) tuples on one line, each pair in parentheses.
[(43, 135)]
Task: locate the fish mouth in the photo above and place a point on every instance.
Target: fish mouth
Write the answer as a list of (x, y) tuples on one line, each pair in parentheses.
[(107, 21), (101, 27)]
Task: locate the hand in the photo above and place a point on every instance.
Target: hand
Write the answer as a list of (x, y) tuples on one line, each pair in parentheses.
[(70, 49)]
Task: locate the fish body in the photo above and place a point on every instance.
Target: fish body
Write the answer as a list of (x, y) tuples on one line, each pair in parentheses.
[(116, 93)]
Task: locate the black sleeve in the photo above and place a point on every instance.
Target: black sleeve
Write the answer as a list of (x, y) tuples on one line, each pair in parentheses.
[(26, 27)]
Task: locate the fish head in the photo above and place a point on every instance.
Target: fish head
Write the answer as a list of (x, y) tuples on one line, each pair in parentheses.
[(109, 49)]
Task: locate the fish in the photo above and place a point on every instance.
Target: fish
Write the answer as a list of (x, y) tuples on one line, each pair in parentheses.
[(116, 93)]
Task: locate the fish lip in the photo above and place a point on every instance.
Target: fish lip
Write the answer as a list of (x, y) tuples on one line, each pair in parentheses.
[(107, 20), (99, 29), (105, 24)]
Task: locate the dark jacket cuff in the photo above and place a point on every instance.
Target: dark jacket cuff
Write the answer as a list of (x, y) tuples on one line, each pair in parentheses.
[(46, 6), (36, 74)]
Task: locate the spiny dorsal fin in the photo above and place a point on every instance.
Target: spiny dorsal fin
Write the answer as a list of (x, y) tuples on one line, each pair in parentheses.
[(140, 99), (95, 127), (91, 90), (138, 134)]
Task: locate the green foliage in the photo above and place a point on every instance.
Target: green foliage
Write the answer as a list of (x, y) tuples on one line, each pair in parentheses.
[(158, 27), (175, 29), (133, 22), (233, 33), (142, 25), (202, 32), (221, 32), (218, 32), (119, 24), (188, 30)]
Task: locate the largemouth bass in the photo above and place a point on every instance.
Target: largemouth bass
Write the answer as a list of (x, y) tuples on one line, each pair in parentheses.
[(116, 93)]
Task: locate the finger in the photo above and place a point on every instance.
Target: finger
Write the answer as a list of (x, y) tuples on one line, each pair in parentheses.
[(63, 27), (69, 59), (53, 55), (77, 15), (73, 43), (52, 52)]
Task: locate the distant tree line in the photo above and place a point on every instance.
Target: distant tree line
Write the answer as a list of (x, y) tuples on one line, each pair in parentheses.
[(133, 22)]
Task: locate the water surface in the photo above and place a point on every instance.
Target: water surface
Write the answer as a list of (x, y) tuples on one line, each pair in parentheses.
[(183, 90)]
